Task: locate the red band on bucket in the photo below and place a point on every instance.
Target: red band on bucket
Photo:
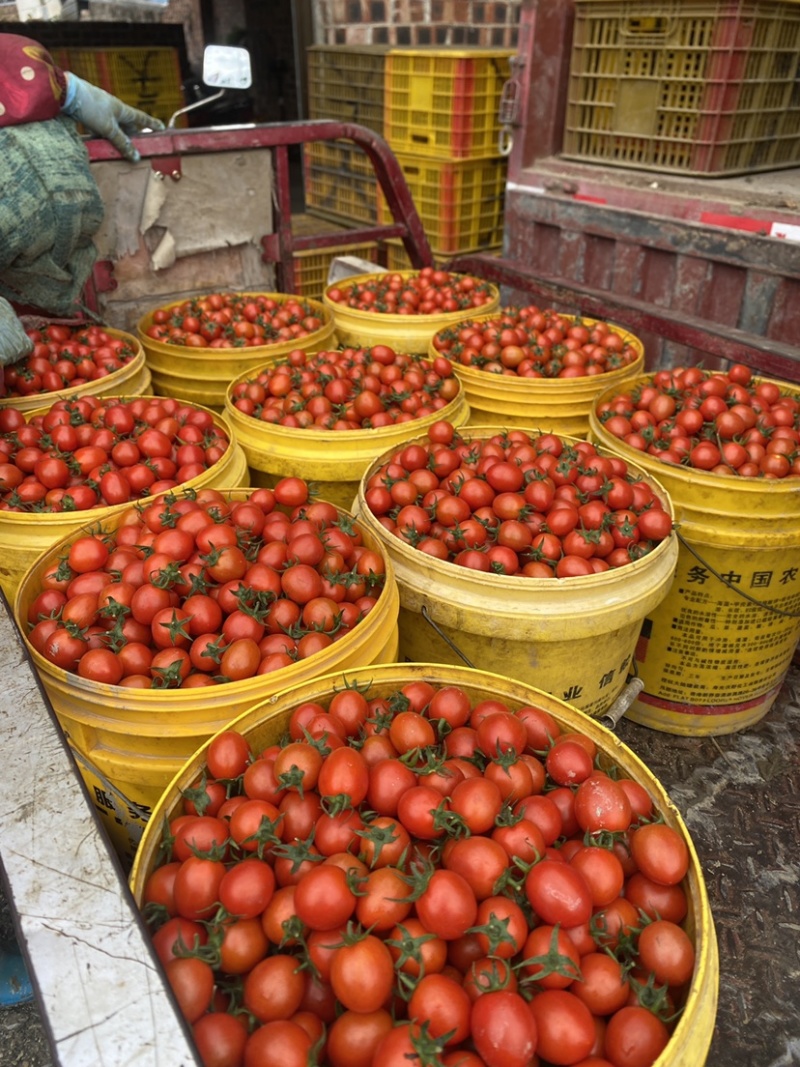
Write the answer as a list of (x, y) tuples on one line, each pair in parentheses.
[(708, 709)]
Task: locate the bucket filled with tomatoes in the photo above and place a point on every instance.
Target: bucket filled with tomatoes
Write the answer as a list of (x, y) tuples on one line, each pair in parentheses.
[(79, 460), (404, 309), (538, 554), (726, 445), (154, 627), (528, 366), (332, 412), (420, 863), (195, 347), (69, 360)]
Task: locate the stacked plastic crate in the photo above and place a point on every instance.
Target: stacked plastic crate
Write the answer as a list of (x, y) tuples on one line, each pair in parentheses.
[(438, 111), (312, 265), (695, 87), (345, 84)]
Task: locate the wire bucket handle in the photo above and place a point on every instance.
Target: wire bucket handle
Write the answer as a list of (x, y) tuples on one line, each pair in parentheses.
[(426, 616)]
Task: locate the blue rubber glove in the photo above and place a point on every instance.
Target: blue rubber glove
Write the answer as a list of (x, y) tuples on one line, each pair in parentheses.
[(15, 985), (106, 115), (14, 342)]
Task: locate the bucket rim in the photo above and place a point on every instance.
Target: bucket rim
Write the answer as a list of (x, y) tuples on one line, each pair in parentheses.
[(99, 515), (681, 474), (458, 405), (132, 368), (512, 582), (327, 329), (387, 606), (402, 322), (514, 381)]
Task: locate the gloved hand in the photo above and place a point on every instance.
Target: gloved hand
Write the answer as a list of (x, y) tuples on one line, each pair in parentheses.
[(14, 342), (105, 115)]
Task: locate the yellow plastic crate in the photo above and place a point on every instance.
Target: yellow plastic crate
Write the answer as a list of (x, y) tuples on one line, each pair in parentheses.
[(346, 83), (83, 62), (460, 203), (311, 267), (397, 257), (702, 87), (339, 182), (445, 103), (143, 73), (145, 78), (163, 107)]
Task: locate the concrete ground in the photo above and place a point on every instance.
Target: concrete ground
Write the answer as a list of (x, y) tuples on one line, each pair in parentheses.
[(23, 1038)]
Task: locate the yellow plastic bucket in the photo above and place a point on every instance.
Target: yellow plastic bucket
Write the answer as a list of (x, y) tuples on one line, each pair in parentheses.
[(556, 405), (24, 536), (405, 333), (572, 637), (202, 375), (263, 725), (134, 379), (335, 460), (130, 743), (714, 653)]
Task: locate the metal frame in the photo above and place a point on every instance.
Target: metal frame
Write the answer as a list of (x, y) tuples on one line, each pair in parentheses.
[(165, 149)]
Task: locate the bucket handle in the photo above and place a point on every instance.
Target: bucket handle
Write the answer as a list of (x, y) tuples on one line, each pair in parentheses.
[(734, 588), (611, 717), (621, 705), (426, 616), (87, 763)]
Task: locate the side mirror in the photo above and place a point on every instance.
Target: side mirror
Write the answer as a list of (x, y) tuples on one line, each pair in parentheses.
[(223, 68), (226, 68)]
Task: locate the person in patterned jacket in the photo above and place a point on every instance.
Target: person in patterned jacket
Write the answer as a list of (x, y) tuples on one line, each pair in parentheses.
[(51, 207)]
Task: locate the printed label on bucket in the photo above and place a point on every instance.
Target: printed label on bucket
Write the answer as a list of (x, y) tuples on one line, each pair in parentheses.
[(726, 632), (123, 823)]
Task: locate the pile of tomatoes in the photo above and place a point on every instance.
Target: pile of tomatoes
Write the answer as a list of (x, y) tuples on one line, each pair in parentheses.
[(723, 422), (95, 452), (199, 590), (538, 506), (428, 292), (530, 342), (421, 877), (235, 320), (349, 389), (65, 357)]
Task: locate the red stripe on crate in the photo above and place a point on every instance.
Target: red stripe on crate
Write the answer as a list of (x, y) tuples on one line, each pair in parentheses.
[(736, 222)]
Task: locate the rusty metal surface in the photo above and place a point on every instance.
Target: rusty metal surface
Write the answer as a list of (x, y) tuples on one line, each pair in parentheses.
[(723, 250), (723, 276), (740, 798), (650, 230)]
